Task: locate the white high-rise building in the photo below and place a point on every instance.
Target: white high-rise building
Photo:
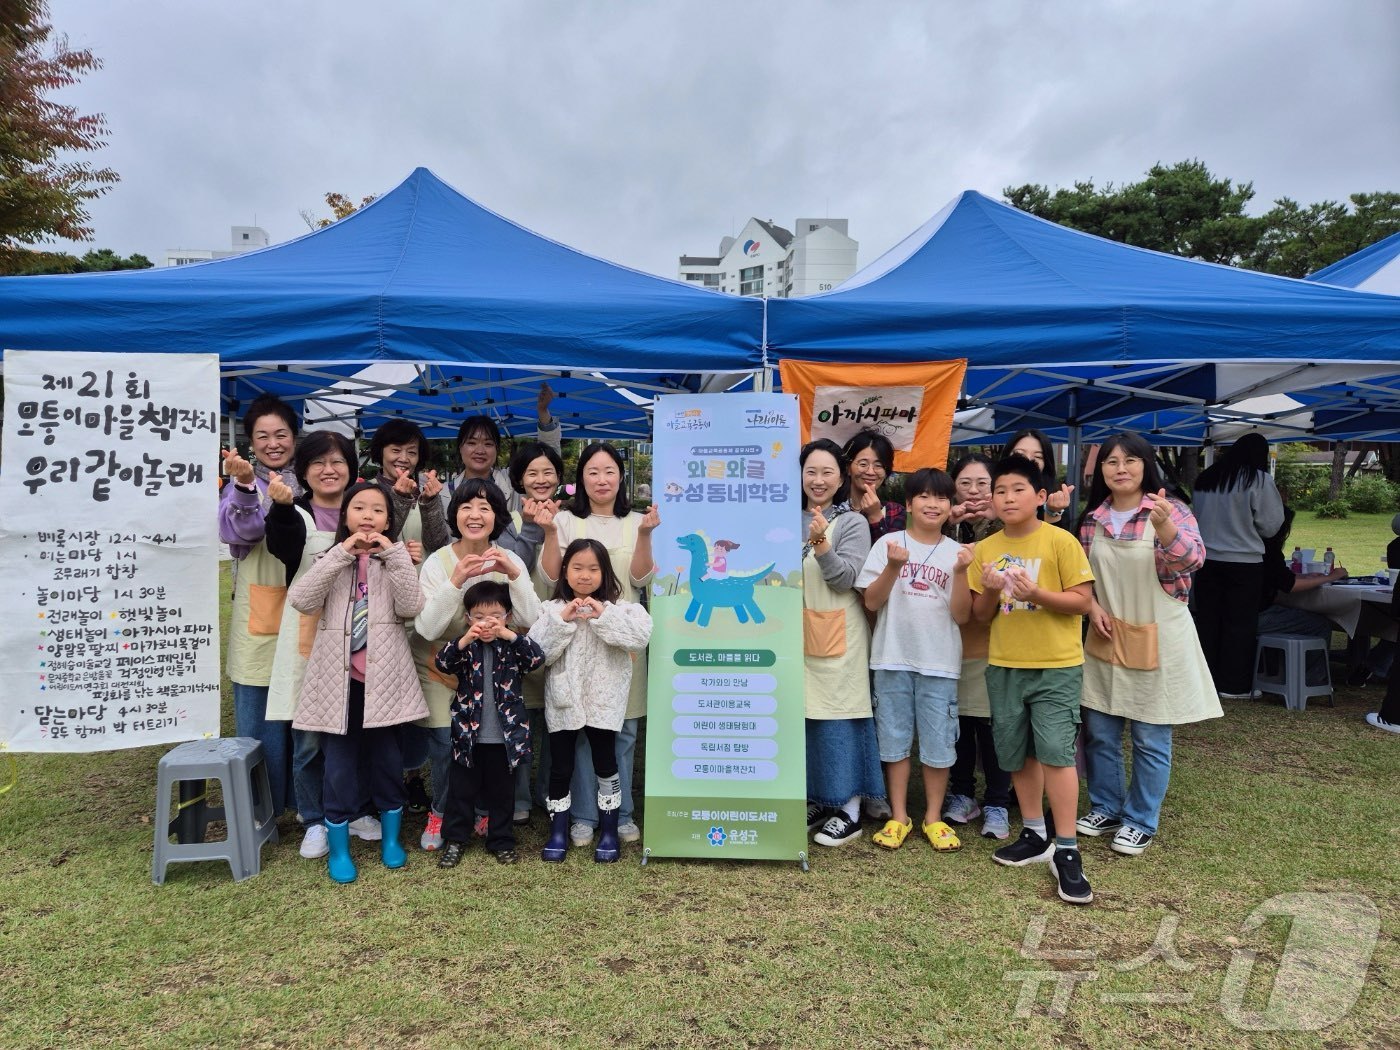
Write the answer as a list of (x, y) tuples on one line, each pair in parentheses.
[(770, 261), (242, 239)]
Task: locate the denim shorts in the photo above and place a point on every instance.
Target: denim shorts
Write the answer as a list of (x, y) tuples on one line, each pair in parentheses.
[(906, 698)]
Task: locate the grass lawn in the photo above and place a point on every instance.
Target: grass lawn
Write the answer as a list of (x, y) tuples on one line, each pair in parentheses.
[(869, 948), (1358, 540)]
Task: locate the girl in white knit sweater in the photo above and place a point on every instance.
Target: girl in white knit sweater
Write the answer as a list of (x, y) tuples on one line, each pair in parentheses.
[(588, 636)]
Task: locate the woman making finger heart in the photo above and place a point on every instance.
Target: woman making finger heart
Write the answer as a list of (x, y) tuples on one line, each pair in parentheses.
[(476, 517), (1143, 666)]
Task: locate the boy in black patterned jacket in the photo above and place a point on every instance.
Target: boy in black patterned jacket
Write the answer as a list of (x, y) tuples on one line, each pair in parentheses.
[(490, 727)]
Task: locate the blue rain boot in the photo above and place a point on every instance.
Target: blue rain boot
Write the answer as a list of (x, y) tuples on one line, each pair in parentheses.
[(558, 843), (390, 848), (608, 848), (339, 864)]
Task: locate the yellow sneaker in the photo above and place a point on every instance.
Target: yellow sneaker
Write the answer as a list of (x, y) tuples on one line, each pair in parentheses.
[(893, 834), (941, 837)]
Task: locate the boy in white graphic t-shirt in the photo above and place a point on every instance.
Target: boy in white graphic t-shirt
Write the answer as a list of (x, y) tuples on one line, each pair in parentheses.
[(916, 581)]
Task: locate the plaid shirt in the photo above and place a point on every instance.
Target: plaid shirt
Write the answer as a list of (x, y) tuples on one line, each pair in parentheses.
[(1175, 562)]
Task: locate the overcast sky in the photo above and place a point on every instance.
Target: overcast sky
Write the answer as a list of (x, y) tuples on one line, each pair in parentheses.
[(641, 131)]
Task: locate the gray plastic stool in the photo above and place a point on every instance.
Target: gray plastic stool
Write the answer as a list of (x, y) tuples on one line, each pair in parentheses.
[(237, 763), (1291, 682)]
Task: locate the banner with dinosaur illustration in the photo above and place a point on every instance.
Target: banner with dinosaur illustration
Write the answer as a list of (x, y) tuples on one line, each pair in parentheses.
[(911, 404), (726, 764)]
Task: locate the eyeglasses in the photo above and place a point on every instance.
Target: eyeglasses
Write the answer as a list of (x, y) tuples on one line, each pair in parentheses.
[(321, 464), (1126, 461)]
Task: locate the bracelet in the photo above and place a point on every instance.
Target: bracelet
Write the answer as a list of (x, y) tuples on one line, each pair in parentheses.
[(252, 490)]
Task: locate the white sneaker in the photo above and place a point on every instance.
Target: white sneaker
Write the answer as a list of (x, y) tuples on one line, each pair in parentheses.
[(581, 834), (1375, 719), (367, 828), (314, 844), (629, 832)]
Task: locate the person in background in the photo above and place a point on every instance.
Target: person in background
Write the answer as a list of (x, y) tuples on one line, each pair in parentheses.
[(1036, 447), (479, 445), (259, 580), (871, 462), (1237, 507), (1285, 619), (1143, 668), (1387, 719)]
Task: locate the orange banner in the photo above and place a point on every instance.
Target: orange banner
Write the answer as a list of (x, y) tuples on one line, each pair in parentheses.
[(912, 405)]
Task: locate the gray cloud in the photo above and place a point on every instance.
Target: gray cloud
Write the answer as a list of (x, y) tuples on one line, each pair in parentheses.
[(638, 132)]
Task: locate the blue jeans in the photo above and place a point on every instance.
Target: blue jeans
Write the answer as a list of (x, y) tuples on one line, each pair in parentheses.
[(250, 719), (308, 775), (1139, 804), (584, 787), (528, 794)]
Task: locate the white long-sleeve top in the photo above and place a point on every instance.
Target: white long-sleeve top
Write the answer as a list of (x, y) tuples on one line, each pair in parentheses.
[(589, 663), (443, 615)]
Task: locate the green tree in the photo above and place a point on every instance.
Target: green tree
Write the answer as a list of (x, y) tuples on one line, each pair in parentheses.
[(1295, 241), (1182, 210), (28, 263), (43, 191)]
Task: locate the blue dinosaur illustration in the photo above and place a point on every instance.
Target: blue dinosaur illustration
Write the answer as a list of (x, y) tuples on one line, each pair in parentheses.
[(706, 595)]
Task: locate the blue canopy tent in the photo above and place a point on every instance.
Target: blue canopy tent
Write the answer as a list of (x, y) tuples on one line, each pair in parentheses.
[(473, 306), (1373, 269), (1064, 328)]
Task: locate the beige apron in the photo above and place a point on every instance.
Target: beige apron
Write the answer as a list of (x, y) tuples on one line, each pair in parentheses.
[(1152, 670), (621, 558), (836, 642), (533, 689), (296, 634)]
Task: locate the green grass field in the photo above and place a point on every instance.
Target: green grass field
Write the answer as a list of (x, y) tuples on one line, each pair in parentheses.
[(869, 948), (1358, 540)]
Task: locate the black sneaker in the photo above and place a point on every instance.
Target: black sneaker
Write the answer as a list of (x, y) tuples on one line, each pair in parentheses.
[(415, 794), (507, 856), (1095, 824), (452, 854), (838, 830), (1068, 867), (816, 816), (1030, 848)]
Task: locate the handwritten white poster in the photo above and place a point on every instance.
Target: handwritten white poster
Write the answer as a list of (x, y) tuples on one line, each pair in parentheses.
[(109, 551)]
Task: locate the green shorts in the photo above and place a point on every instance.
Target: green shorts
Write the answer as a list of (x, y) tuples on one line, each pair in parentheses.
[(1035, 713)]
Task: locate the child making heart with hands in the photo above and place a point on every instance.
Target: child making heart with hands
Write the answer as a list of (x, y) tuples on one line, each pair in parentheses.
[(588, 635), (362, 588)]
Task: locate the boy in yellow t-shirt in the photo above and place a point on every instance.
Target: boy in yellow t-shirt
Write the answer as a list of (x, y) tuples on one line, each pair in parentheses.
[(1033, 583)]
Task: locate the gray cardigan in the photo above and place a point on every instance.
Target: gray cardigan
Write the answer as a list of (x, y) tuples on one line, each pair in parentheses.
[(850, 546)]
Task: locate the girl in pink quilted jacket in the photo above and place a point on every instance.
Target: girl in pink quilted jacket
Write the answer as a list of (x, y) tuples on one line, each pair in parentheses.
[(360, 682)]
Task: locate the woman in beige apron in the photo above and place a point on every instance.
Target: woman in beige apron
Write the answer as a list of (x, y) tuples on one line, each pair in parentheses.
[(600, 491), (843, 760), (298, 531), (477, 517), (1143, 665)]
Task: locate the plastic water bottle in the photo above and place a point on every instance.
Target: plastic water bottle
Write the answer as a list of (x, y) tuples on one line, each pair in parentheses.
[(1383, 575), (1295, 566), (1328, 560)]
